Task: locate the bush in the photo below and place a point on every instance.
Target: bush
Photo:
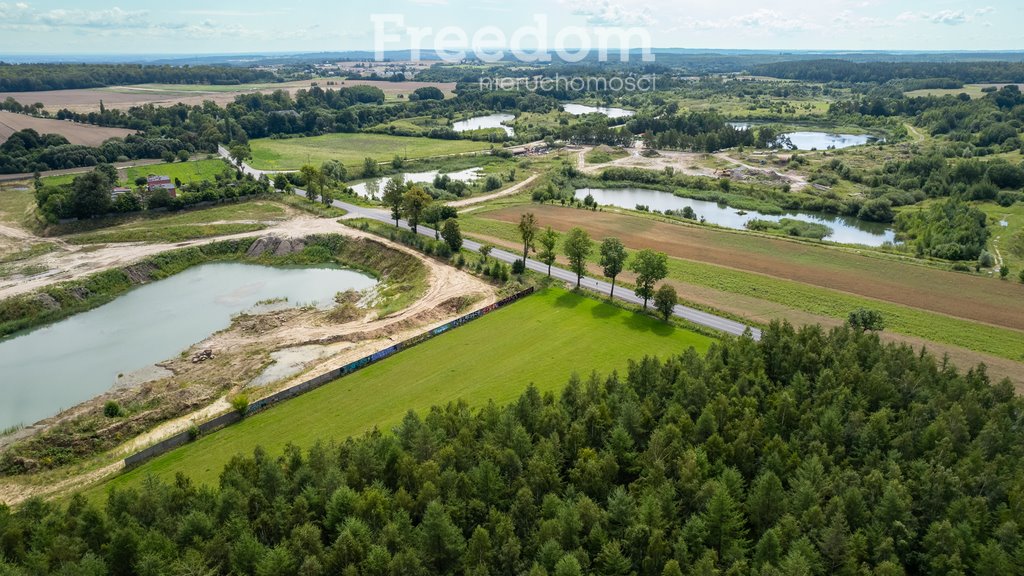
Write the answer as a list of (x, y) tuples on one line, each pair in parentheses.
[(866, 320), (518, 267), (112, 409), (240, 403)]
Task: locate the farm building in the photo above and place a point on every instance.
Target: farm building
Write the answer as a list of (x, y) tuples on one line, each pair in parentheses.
[(117, 191), (154, 183)]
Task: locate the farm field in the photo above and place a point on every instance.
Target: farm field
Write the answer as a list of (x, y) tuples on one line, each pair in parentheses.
[(124, 97), (972, 90), (542, 340), (843, 270), (760, 298), (351, 149), (84, 134)]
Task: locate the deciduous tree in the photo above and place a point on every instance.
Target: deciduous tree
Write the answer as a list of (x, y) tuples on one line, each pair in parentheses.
[(613, 259), (414, 202), (650, 268), (548, 239), (527, 231), (665, 300), (578, 247)]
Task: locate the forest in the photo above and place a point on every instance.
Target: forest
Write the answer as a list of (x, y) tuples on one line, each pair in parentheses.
[(834, 70), (36, 77), (806, 453)]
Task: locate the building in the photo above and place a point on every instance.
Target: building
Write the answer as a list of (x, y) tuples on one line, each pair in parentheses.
[(154, 183), (117, 191)]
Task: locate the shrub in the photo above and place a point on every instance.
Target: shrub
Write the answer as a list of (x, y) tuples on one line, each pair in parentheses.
[(866, 320), (112, 409), (518, 267), (1004, 271), (240, 403)]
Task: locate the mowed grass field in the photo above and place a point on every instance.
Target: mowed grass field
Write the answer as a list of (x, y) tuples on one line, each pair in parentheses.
[(191, 171), (194, 171), (722, 268), (351, 149), (541, 339)]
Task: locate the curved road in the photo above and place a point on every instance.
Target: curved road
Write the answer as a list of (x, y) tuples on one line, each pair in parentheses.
[(698, 317)]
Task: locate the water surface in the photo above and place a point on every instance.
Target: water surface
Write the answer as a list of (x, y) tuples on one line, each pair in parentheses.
[(484, 122), (845, 230), (580, 109), (71, 361), (375, 188)]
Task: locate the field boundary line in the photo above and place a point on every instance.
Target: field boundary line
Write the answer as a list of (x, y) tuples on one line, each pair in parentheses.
[(276, 398)]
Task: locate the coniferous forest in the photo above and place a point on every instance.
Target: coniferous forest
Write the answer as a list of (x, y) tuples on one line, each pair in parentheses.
[(807, 453)]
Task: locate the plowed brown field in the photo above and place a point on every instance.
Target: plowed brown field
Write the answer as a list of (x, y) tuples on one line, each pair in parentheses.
[(956, 294), (85, 134)]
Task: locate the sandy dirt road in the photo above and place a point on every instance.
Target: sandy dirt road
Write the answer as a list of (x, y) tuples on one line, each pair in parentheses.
[(512, 190)]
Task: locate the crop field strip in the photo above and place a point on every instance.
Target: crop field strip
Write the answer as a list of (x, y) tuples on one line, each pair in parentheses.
[(817, 300)]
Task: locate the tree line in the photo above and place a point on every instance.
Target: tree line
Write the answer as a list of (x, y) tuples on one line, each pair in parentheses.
[(649, 266), (832, 70), (805, 453), (36, 77)]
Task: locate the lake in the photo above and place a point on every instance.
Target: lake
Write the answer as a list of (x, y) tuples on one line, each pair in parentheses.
[(484, 122), (824, 140), (580, 109), (816, 140), (375, 188), (845, 230), (66, 363)]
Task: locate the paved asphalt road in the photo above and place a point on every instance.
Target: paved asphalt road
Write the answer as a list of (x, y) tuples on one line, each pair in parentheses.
[(691, 314)]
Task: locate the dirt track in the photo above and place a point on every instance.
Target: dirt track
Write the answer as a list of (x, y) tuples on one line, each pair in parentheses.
[(908, 284)]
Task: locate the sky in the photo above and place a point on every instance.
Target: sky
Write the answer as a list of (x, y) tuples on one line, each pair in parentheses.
[(262, 26)]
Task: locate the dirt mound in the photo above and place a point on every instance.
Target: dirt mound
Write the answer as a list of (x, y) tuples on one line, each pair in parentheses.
[(276, 246), (140, 273)]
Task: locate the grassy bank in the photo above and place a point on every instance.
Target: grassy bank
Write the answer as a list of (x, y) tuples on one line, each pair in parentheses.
[(248, 216), (538, 340), (65, 299), (90, 432)]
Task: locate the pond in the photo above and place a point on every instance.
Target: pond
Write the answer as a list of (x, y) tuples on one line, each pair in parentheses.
[(810, 140), (484, 122), (580, 109), (824, 140), (845, 230), (375, 188), (76, 359)]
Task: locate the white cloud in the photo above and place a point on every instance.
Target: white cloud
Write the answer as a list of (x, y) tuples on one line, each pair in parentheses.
[(113, 22), (765, 20), (609, 13), (949, 17), (946, 17)]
